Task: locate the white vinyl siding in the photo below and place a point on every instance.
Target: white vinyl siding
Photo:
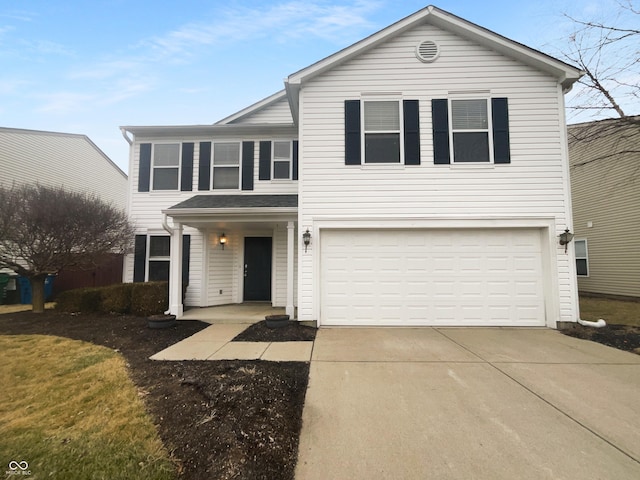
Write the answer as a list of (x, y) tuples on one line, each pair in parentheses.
[(276, 113), (533, 185)]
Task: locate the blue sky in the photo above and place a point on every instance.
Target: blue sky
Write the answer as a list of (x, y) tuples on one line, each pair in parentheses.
[(90, 66)]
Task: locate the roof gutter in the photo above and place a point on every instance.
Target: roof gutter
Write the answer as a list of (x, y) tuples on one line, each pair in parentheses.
[(123, 131)]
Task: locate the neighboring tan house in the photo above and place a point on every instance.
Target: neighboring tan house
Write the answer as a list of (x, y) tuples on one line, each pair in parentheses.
[(75, 163), (605, 186), (417, 177)]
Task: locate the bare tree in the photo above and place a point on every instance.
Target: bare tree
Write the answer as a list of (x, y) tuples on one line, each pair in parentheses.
[(608, 51), (609, 54), (45, 229)]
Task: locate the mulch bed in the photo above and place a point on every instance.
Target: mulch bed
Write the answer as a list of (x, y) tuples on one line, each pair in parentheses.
[(222, 419), (293, 332), (622, 337)]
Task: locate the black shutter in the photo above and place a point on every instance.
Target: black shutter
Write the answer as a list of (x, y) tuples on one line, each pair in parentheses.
[(247, 165), (264, 164), (186, 248), (144, 172), (411, 132), (186, 180), (139, 258), (294, 174), (500, 119), (204, 166), (440, 121), (352, 154)]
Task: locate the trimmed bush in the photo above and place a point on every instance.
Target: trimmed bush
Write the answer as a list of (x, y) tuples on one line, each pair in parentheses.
[(141, 299), (117, 298), (69, 301), (151, 298), (85, 300)]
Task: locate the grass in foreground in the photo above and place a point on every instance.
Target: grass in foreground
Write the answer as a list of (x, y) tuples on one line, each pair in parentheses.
[(69, 409), (612, 311)]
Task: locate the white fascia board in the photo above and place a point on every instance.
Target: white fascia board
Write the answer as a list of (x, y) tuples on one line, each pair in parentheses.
[(220, 212), (265, 102), (200, 217), (208, 130)]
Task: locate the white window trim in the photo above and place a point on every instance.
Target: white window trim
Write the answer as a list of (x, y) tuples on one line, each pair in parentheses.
[(363, 132), (273, 160), (153, 166), (154, 259), (213, 167), (489, 130), (586, 257)]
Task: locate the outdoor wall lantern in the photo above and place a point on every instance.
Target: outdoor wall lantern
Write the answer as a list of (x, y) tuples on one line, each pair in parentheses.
[(565, 238), (306, 239), (223, 240)]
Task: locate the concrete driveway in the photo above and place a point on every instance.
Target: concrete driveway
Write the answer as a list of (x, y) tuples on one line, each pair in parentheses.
[(469, 404)]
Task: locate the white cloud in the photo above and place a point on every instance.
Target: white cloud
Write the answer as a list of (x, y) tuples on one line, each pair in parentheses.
[(282, 21)]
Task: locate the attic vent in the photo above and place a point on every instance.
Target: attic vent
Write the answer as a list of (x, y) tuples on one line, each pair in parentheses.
[(427, 51)]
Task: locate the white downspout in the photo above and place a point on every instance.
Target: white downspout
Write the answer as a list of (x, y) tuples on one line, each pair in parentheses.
[(599, 324)]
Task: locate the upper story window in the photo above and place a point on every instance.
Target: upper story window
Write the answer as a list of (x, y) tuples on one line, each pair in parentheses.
[(582, 258), (281, 160), (226, 165), (381, 133), (166, 166), (470, 131)]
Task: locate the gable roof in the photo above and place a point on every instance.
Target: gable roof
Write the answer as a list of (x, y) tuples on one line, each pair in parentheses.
[(255, 108), (565, 73)]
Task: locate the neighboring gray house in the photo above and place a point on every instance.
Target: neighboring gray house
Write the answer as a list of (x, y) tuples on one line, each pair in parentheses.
[(75, 163), (605, 188), (60, 160), (417, 177)]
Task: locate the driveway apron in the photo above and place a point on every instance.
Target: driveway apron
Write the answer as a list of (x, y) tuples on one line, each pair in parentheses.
[(500, 403)]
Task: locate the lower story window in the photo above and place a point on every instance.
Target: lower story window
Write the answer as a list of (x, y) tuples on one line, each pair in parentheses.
[(159, 254), (582, 258)]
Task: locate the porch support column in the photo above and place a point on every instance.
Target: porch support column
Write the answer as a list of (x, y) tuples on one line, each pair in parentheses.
[(289, 310), (175, 272)]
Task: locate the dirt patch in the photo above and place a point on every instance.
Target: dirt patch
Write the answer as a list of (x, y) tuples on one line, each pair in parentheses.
[(222, 419), (622, 337), (293, 332)]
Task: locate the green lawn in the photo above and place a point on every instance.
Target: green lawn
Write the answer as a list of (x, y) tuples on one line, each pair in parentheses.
[(612, 311), (69, 409)]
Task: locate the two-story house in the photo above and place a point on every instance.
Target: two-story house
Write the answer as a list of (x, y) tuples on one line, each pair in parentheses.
[(417, 177)]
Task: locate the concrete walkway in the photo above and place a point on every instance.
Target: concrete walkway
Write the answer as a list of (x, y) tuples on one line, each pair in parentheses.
[(214, 343), (469, 404)]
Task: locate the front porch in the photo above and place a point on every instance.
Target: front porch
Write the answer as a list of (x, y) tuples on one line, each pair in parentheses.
[(240, 313), (243, 250)]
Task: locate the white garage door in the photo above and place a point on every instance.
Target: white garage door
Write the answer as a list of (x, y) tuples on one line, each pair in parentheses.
[(431, 277)]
